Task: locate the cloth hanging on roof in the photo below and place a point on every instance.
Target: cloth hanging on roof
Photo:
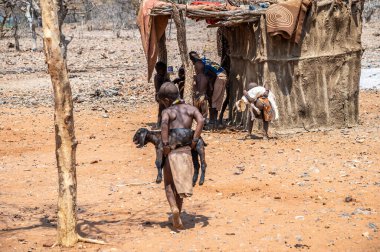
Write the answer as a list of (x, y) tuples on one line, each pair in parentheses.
[(286, 19), (151, 30)]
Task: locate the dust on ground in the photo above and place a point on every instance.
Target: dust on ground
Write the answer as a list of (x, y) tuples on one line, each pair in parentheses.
[(315, 191)]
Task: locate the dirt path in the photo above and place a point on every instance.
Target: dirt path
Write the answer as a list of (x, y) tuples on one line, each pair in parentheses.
[(291, 193)]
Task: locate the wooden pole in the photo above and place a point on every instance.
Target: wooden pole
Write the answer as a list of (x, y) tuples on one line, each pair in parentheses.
[(182, 45)]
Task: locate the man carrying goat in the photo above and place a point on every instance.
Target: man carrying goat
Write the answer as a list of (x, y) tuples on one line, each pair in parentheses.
[(178, 169)]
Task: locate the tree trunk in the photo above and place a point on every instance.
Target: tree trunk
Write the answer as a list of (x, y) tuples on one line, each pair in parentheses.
[(64, 125), (88, 8), (182, 44), (15, 33), (30, 16), (5, 18)]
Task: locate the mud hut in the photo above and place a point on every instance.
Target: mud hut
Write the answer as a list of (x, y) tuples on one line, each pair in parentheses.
[(314, 76)]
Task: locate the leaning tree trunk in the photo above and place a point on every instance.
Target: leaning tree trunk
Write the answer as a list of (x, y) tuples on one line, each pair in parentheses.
[(64, 125)]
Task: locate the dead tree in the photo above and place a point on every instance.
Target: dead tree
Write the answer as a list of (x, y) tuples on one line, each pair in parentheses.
[(32, 10), (53, 12), (16, 36)]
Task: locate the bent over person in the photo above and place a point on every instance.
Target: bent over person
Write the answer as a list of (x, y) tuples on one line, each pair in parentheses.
[(178, 168), (262, 105)]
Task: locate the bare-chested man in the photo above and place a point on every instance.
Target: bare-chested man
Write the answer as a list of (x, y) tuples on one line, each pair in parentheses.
[(200, 88), (178, 169)]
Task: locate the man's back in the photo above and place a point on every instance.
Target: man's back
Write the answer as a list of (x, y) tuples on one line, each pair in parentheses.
[(181, 116)]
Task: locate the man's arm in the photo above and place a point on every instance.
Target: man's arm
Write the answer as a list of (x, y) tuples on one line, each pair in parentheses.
[(198, 130), (165, 120)]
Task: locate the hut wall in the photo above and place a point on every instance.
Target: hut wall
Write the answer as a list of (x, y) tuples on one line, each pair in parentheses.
[(316, 83)]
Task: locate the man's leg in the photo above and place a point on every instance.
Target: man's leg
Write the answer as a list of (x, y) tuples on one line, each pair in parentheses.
[(250, 123), (174, 200), (225, 104), (266, 128)]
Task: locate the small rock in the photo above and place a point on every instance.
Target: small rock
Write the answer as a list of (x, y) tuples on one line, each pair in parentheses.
[(314, 169), (360, 140), (105, 116), (299, 238), (281, 151), (373, 226), (300, 217), (301, 246), (94, 162), (230, 233), (78, 99), (364, 211), (348, 199), (301, 183), (240, 167), (272, 173), (277, 197), (366, 235), (345, 215), (298, 150), (305, 175)]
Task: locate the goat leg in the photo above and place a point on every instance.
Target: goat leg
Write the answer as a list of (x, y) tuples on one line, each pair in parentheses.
[(194, 156), (202, 156), (159, 164)]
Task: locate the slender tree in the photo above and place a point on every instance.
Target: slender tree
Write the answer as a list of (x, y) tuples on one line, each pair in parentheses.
[(55, 46)]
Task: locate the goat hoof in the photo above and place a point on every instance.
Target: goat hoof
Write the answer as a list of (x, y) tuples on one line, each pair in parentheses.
[(201, 182), (158, 180)]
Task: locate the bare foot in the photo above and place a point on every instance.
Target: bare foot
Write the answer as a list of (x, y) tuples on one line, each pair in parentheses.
[(177, 223)]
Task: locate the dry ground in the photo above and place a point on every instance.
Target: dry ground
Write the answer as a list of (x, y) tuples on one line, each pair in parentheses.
[(284, 194), (307, 175)]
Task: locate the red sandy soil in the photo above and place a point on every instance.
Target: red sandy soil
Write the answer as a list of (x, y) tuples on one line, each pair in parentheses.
[(279, 195), (292, 190)]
